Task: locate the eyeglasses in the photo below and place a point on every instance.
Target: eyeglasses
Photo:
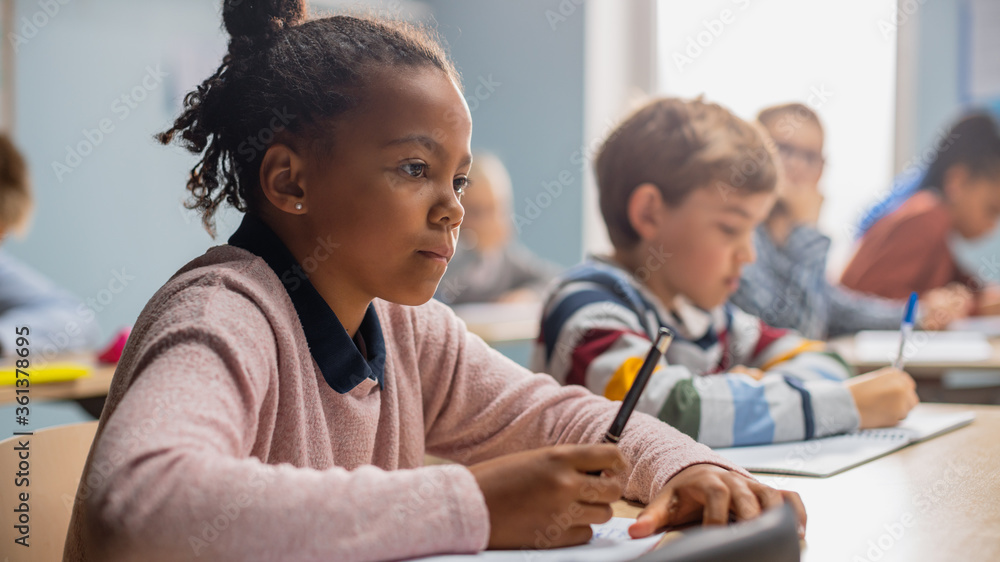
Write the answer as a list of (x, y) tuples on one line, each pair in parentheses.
[(811, 158)]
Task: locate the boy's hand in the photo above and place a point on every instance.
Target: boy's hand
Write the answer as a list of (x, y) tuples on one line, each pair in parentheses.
[(531, 492), (883, 397), (710, 493)]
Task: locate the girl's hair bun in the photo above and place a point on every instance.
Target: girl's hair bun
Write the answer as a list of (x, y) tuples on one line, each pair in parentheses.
[(261, 19)]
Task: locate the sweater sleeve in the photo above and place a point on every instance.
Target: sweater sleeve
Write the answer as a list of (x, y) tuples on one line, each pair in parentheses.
[(600, 345), (172, 474), (851, 312), (486, 405)]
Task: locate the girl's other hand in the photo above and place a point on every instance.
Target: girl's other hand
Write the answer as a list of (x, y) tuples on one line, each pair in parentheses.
[(709, 493)]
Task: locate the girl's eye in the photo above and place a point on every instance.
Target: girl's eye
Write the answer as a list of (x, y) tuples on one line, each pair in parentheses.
[(414, 169), (461, 184), (728, 231)]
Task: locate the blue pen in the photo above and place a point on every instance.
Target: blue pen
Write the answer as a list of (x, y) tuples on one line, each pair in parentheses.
[(906, 329)]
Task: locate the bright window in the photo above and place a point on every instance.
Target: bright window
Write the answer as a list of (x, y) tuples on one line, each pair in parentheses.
[(838, 57)]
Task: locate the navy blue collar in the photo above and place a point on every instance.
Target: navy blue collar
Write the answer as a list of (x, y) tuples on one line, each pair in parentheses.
[(339, 359)]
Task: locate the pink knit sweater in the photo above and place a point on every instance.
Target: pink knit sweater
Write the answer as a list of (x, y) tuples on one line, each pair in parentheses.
[(221, 440)]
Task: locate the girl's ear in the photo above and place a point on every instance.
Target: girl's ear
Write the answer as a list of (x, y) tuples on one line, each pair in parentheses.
[(282, 175), (644, 210)]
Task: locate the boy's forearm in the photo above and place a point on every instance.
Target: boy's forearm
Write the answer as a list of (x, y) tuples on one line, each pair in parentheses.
[(852, 312)]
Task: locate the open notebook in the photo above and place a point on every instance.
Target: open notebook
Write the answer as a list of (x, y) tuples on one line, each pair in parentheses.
[(611, 542), (830, 455)]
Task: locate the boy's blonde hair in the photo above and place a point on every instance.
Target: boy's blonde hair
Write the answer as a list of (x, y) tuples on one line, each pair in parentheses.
[(679, 146), (15, 190)]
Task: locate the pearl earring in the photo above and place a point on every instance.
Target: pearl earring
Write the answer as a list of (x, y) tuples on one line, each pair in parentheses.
[(298, 206)]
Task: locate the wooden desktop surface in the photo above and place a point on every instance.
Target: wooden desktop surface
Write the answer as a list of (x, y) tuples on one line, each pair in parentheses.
[(936, 500)]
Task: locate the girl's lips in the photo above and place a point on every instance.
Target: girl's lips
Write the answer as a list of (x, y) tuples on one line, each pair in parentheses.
[(434, 256)]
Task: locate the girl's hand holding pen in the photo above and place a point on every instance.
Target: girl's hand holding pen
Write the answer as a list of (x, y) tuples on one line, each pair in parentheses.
[(543, 498)]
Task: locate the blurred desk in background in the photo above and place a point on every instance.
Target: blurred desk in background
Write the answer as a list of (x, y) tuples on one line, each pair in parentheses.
[(88, 391), (502, 322), (975, 381), (510, 328)]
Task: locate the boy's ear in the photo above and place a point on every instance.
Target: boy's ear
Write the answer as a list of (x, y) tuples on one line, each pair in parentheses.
[(282, 172), (644, 210), (956, 176)]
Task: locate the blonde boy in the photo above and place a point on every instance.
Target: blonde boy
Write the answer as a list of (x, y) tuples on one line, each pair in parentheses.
[(683, 185)]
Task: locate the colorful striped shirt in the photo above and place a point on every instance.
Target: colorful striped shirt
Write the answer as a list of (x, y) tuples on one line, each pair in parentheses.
[(597, 325)]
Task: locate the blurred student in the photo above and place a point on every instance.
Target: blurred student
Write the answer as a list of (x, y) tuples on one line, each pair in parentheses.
[(682, 229), (787, 286), (908, 250), (488, 265), (28, 298)]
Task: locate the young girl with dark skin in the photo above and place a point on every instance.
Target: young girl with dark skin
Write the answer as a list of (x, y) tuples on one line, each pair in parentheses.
[(362, 183)]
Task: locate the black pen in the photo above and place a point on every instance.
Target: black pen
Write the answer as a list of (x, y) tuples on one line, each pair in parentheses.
[(660, 345)]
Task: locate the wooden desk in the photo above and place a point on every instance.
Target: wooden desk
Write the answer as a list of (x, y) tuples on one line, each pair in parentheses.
[(937, 500), (94, 386)]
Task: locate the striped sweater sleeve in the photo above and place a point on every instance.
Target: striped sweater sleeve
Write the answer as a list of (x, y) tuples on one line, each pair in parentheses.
[(803, 381), (591, 338)]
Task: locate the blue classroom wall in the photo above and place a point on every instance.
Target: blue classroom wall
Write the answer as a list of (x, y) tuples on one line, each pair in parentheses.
[(533, 119), (97, 79), (94, 83)]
